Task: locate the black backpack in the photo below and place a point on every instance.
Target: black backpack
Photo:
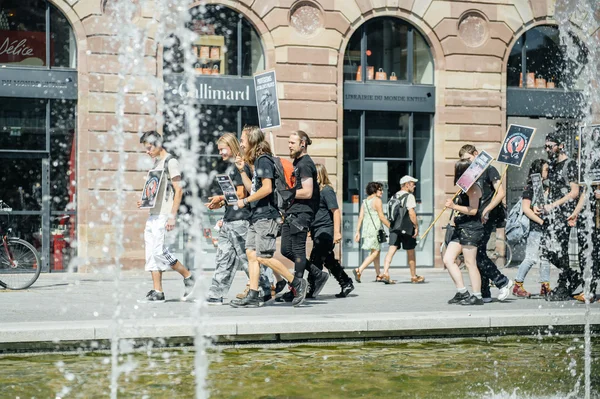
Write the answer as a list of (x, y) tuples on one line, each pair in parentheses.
[(398, 215), (284, 189)]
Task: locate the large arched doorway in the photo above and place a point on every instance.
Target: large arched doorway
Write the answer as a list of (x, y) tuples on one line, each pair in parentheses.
[(38, 127), (389, 103)]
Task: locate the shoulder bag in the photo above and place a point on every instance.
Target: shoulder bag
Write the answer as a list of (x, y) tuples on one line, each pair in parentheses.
[(381, 236)]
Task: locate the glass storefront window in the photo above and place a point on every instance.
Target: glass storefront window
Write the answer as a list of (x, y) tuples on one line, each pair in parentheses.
[(63, 152), (389, 154), (23, 124), (547, 65), (62, 41), (390, 47), (386, 134), (227, 44), (24, 34)]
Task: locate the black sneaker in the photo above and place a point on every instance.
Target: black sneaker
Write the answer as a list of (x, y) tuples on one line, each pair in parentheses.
[(459, 297), (319, 283), (189, 285), (280, 286), (153, 297), (472, 300), (559, 294), (267, 298), (214, 301), (252, 300), (301, 291), (346, 289), (287, 297)]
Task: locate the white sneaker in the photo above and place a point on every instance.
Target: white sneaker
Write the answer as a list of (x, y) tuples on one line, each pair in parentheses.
[(506, 290)]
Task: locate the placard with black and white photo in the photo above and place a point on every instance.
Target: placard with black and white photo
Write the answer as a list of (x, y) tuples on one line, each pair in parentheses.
[(589, 154), (267, 102)]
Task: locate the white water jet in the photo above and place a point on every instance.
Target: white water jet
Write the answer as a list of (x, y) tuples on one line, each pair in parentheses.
[(579, 18)]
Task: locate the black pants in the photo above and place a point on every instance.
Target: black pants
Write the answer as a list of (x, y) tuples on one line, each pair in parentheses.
[(487, 268), (595, 254), (555, 247), (294, 232), (322, 255)]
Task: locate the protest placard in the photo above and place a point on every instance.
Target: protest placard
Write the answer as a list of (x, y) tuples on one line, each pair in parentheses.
[(267, 102), (477, 167), (515, 145), (150, 191), (228, 189), (589, 154)]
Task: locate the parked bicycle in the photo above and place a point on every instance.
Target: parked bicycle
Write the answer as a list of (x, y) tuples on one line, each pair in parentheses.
[(498, 250), (20, 264)]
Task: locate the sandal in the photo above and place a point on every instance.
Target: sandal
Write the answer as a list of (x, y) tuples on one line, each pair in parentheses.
[(417, 279), (387, 280), (357, 275), (379, 278)]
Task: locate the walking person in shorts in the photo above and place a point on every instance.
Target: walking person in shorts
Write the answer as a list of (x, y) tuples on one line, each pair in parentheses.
[(402, 238), (161, 219), (231, 251), (492, 215), (264, 219)]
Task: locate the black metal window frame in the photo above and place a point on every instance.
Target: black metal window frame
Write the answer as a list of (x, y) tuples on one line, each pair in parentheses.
[(239, 34), (409, 51), (48, 55), (534, 102)]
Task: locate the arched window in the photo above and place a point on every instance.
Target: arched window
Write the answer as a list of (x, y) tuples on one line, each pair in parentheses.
[(34, 33), (539, 60), (227, 44), (392, 47)]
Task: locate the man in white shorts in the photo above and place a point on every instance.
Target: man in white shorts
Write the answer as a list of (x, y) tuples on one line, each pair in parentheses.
[(161, 219)]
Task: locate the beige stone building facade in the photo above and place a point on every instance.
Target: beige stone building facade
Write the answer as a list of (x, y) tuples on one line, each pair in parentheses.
[(463, 71)]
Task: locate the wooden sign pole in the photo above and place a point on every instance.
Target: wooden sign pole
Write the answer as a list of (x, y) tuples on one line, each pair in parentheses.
[(437, 218)]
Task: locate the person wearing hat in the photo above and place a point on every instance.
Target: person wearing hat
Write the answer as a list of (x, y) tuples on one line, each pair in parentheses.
[(404, 231), (562, 196)]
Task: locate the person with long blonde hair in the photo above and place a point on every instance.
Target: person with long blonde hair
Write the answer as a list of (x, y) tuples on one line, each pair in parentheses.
[(264, 218), (231, 250), (326, 232)]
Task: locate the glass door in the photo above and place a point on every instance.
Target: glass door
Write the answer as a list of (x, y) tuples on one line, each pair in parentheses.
[(383, 147)]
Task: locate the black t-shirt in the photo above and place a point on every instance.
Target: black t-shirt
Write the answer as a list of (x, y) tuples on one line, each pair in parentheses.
[(263, 208), (233, 213), (528, 194), (486, 181), (304, 167), (462, 219), (324, 217), (560, 175)]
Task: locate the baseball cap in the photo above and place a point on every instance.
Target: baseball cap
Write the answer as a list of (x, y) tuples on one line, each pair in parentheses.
[(407, 179)]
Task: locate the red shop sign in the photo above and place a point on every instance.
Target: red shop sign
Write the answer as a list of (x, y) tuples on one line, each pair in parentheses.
[(27, 48)]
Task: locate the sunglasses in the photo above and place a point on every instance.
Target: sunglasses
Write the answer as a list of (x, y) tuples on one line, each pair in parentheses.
[(549, 146)]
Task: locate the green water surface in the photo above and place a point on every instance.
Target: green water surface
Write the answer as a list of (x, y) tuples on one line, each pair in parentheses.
[(503, 368)]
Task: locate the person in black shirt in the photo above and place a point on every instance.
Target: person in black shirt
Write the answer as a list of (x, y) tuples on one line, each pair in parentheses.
[(468, 232), (563, 191), (492, 216), (325, 232), (300, 215), (534, 196), (261, 241), (588, 228), (231, 250)]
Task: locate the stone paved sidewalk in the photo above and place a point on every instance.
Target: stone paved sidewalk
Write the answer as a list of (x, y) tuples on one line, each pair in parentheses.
[(80, 307)]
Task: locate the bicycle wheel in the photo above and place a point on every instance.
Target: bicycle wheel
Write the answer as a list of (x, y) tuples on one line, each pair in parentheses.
[(25, 267), (499, 251)]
